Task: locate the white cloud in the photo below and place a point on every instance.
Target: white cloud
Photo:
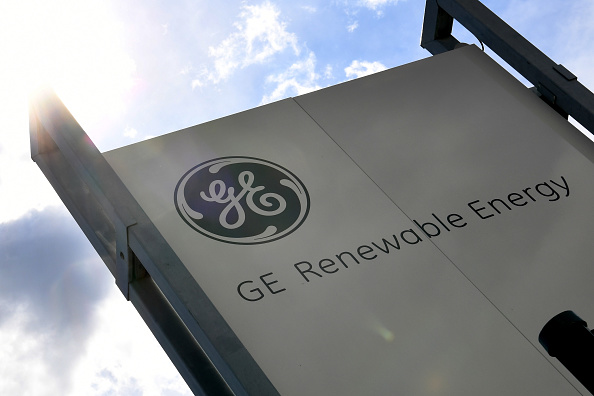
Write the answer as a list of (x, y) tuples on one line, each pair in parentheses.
[(203, 77), (310, 9), (186, 70), (22, 185), (45, 318), (112, 364), (65, 328), (20, 356), (351, 28), (328, 72), (299, 79), (130, 132), (375, 4), (378, 6), (359, 69), (81, 55), (259, 35)]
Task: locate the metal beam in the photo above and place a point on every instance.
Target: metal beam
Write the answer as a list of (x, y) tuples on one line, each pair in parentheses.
[(555, 83), (177, 341), (84, 179), (437, 29), (200, 343)]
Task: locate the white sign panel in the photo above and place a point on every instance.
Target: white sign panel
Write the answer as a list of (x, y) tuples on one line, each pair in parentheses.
[(405, 233)]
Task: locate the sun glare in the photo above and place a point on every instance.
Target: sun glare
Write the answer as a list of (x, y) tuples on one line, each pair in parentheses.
[(76, 47)]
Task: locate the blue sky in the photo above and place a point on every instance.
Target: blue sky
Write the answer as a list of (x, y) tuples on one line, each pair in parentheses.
[(130, 70)]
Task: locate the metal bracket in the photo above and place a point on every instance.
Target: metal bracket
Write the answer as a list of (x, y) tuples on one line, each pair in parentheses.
[(549, 98), (124, 272), (569, 76), (558, 86)]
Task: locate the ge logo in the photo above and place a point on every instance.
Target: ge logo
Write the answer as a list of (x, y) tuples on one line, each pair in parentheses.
[(241, 200)]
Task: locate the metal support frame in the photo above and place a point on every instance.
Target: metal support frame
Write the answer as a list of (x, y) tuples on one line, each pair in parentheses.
[(556, 85), (200, 343)]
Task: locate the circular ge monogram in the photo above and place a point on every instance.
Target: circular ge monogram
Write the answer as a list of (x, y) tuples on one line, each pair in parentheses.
[(241, 200)]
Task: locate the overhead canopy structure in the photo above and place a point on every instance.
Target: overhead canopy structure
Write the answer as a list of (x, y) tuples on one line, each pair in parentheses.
[(409, 232)]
